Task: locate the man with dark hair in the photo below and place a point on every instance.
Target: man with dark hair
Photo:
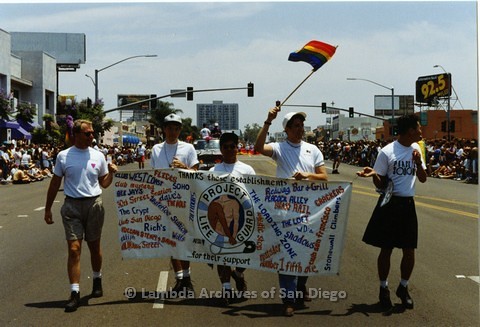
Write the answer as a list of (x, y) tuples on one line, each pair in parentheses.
[(175, 154), (85, 172), (394, 220), (228, 218), (298, 160)]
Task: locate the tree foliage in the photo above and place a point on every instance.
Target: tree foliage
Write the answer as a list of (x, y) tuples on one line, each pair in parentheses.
[(251, 132), (157, 116)]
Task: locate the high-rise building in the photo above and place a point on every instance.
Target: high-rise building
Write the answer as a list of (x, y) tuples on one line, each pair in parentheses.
[(225, 114)]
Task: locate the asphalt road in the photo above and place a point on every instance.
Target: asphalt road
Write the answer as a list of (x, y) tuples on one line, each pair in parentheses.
[(445, 285)]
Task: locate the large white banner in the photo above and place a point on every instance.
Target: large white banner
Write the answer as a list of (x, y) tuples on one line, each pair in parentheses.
[(256, 222)]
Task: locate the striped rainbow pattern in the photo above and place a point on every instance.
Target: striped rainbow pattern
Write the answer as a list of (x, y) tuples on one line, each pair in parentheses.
[(315, 53)]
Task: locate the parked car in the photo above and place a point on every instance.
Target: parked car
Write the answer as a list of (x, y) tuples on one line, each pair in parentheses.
[(210, 154)]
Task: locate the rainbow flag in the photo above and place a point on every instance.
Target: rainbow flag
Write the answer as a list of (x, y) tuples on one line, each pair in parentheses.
[(315, 53)]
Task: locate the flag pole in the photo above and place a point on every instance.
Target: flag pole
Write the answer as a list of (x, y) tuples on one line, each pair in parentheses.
[(298, 86)]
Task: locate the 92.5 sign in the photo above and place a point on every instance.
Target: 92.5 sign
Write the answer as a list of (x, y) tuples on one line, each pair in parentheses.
[(433, 86)]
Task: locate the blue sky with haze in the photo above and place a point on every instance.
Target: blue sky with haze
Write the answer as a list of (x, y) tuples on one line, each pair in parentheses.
[(222, 44)]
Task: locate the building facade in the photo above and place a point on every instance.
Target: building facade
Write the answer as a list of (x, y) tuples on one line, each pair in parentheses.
[(225, 114), (29, 67)]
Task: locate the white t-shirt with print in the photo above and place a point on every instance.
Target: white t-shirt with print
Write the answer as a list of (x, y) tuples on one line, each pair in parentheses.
[(395, 161), (81, 169), (292, 158)]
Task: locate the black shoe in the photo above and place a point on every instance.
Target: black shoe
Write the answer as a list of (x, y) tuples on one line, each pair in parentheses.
[(402, 293), (187, 284), (174, 292), (384, 298), (97, 288), (73, 303), (227, 297), (240, 282)]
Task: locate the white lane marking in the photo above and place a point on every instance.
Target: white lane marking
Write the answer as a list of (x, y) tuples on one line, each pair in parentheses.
[(161, 288), (39, 209), (22, 216), (476, 279)]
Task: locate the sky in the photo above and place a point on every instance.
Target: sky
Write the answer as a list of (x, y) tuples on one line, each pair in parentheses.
[(209, 45)]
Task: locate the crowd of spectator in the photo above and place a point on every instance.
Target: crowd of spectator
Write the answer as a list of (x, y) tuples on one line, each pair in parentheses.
[(22, 163), (456, 159)]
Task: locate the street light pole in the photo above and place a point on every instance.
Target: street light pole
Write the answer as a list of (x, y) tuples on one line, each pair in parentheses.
[(386, 87), (115, 63), (93, 82), (448, 103)]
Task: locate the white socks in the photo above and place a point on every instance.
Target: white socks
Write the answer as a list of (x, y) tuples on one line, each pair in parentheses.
[(75, 288), (404, 282), (97, 274)]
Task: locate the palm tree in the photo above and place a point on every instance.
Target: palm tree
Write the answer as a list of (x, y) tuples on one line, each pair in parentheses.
[(163, 109)]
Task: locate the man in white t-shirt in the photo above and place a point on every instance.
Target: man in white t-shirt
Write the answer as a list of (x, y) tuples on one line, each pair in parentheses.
[(205, 132), (394, 223), (85, 171), (175, 154), (298, 160), (140, 155), (230, 165)]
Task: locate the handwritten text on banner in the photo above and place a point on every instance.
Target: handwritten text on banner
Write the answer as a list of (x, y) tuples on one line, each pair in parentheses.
[(257, 222)]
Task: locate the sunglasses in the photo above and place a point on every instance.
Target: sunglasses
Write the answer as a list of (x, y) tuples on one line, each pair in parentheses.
[(88, 134)]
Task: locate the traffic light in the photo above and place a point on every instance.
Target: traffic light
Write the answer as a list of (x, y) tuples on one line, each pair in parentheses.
[(250, 89), (444, 126), (153, 103), (350, 112), (324, 107), (395, 130), (89, 102), (189, 93), (452, 126)]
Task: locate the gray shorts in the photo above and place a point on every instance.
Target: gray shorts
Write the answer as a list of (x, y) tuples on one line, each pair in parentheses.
[(83, 218)]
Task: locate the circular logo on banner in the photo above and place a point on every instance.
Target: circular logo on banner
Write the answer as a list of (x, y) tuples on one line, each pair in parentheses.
[(226, 219)]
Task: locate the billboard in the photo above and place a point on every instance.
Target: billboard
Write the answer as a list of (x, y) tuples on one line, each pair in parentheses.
[(402, 105), (69, 49), (140, 104), (427, 88), (131, 99)]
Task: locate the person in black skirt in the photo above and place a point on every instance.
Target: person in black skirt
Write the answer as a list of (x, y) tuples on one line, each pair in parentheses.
[(394, 220)]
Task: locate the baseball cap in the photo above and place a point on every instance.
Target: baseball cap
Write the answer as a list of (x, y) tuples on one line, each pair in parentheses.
[(290, 116), (172, 118)]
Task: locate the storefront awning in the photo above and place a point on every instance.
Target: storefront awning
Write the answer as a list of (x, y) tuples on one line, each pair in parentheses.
[(8, 124), (21, 134)]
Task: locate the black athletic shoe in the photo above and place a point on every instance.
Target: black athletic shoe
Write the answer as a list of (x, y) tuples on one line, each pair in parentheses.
[(97, 288), (73, 303), (187, 284), (384, 298), (240, 283), (176, 289), (402, 293), (227, 297)]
